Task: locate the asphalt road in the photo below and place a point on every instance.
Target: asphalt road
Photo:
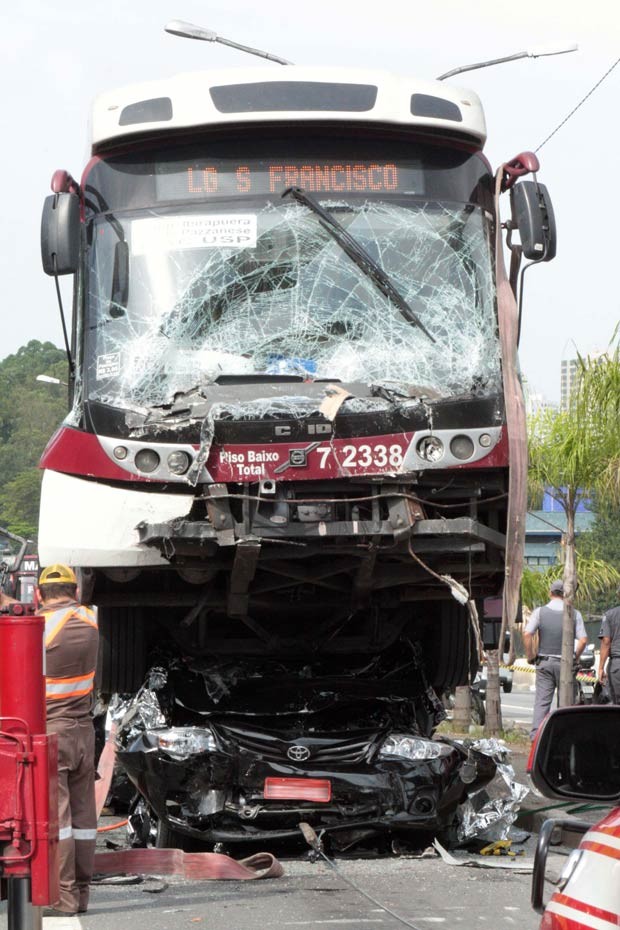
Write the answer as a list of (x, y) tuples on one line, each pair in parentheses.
[(426, 892), (518, 705)]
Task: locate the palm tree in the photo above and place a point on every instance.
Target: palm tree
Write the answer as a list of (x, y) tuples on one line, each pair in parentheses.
[(595, 577), (599, 400), (575, 454)]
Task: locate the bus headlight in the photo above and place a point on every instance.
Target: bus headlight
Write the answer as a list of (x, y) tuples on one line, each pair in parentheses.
[(147, 460), (462, 447), (430, 448), (179, 462)]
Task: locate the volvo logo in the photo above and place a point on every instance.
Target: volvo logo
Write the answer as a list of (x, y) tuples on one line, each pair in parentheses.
[(298, 753), (297, 458)]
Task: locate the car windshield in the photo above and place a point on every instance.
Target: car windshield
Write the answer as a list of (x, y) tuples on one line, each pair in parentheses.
[(182, 291)]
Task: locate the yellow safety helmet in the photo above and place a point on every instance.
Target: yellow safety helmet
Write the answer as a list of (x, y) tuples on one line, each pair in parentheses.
[(57, 574)]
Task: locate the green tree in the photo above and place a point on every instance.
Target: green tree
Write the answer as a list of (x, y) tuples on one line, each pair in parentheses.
[(29, 414), (596, 577), (576, 454), (19, 503)]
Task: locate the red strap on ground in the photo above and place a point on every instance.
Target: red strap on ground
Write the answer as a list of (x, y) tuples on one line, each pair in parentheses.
[(196, 866), (192, 866)]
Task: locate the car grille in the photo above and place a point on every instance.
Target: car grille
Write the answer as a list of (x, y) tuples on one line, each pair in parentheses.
[(343, 750)]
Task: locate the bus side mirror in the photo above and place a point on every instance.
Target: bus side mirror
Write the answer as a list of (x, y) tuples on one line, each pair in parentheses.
[(532, 213), (577, 754), (60, 234)]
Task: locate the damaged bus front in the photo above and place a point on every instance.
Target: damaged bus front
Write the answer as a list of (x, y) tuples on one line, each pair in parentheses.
[(297, 425)]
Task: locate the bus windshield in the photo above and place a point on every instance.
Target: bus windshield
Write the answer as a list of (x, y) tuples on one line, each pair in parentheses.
[(198, 267)]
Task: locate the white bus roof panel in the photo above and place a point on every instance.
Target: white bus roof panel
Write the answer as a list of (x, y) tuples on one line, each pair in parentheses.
[(286, 94)]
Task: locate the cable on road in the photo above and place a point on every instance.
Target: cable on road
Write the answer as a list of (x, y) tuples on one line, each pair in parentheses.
[(314, 842)]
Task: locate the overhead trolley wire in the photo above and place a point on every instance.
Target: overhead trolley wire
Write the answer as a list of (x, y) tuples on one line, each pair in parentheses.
[(581, 102)]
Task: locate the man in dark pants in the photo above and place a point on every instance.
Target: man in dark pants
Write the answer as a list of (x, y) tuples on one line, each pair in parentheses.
[(71, 641), (610, 649), (547, 621)]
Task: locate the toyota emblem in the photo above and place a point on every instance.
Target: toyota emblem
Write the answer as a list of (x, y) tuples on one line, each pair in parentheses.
[(298, 753)]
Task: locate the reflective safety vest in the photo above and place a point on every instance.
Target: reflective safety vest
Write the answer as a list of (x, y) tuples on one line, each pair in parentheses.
[(75, 686)]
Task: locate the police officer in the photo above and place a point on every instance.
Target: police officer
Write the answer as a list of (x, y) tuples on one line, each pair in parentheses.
[(547, 621), (71, 641), (610, 649)]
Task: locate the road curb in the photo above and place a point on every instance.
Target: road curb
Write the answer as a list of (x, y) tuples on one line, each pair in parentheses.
[(533, 817)]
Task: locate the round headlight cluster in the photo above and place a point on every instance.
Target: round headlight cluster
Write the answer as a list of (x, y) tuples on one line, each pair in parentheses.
[(179, 462), (430, 448), (147, 460), (462, 447)]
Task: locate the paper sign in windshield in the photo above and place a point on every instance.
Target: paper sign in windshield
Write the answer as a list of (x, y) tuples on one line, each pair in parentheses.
[(108, 366), (175, 233)]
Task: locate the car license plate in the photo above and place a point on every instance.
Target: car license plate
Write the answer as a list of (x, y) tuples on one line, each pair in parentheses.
[(298, 789)]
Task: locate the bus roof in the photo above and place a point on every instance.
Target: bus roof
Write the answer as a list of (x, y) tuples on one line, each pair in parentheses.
[(271, 95)]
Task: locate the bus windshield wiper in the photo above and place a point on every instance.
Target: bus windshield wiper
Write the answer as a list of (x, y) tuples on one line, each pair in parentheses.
[(358, 254)]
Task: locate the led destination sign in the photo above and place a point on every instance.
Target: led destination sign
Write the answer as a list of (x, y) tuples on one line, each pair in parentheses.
[(201, 179)]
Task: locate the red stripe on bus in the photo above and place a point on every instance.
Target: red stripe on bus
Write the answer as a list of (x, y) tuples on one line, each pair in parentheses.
[(589, 909), (551, 921), (610, 831), (611, 823), (601, 848)]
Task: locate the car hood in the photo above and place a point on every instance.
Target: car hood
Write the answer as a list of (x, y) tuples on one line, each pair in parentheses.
[(360, 692)]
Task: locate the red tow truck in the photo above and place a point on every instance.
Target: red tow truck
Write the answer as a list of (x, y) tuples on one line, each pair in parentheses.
[(19, 570)]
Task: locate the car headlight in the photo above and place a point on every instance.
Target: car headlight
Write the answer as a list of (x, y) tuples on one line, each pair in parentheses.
[(413, 747), (182, 742)]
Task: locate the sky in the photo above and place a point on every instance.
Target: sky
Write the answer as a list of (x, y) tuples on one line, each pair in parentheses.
[(57, 55)]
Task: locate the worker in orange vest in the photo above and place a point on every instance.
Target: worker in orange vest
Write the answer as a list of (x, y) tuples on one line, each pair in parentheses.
[(71, 642)]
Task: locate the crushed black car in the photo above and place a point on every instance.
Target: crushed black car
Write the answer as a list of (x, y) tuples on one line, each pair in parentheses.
[(244, 751)]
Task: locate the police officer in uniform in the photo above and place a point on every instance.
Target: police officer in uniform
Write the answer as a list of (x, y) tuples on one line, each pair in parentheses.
[(547, 621), (71, 641), (610, 650)]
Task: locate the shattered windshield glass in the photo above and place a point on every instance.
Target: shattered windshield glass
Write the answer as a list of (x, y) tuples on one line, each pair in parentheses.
[(178, 294)]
